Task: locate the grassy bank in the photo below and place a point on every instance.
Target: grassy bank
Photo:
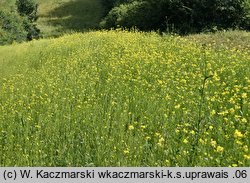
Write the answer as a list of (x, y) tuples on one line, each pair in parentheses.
[(57, 17)]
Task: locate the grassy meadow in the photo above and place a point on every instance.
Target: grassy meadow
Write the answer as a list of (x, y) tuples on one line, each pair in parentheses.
[(57, 17), (118, 98)]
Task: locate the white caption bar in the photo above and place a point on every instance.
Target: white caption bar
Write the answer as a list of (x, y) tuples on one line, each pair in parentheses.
[(126, 175)]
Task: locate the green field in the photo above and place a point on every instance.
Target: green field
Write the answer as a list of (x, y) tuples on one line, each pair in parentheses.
[(120, 98), (125, 99), (60, 16)]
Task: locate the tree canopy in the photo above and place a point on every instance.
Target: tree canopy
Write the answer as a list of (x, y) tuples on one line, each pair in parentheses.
[(182, 16), (19, 25)]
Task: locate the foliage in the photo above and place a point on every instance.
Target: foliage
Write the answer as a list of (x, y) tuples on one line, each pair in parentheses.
[(32, 31), (11, 28), (112, 3), (124, 99), (59, 17), (27, 8), (183, 16), (19, 26), (122, 15), (246, 21)]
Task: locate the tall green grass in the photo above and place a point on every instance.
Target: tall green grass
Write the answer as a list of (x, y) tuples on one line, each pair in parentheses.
[(223, 40), (123, 99)]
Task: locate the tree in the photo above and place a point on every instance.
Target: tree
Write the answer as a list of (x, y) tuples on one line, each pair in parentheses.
[(11, 28), (27, 8), (19, 25), (181, 16)]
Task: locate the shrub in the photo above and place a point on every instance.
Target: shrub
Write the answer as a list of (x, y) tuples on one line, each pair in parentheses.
[(27, 8), (19, 25), (246, 21), (138, 14), (11, 28), (184, 15)]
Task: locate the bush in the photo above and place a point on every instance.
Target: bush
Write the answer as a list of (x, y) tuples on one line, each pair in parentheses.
[(19, 25), (220, 13), (113, 3), (138, 14), (246, 22), (32, 31), (27, 8), (121, 15), (11, 28), (109, 4), (184, 16)]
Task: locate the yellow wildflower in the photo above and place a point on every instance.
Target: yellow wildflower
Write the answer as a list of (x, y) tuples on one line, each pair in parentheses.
[(219, 149), (213, 143), (238, 134), (192, 132), (177, 106), (161, 140), (185, 141), (245, 148), (244, 120), (246, 156), (131, 127), (244, 95), (213, 112), (126, 151), (201, 141)]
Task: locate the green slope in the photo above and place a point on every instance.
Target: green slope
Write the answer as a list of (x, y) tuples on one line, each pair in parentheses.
[(60, 16), (7, 4)]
